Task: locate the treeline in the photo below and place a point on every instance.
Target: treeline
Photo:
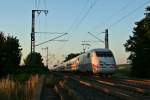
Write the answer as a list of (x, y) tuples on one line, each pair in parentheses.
[(70, 56), (10, 53), (139, 47), (34, 64), (10, 57)]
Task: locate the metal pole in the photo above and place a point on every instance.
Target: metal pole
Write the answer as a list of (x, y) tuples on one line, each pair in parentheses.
[(106, 39), (84, 47), (33, 32), (33, 28), (47, 57)]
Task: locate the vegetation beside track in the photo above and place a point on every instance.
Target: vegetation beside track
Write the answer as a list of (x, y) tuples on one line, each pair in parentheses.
[(123, 70), (19, 87)]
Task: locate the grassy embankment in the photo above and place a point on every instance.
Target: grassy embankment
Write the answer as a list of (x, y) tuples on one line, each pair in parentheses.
[(18, 87), (123, 70)]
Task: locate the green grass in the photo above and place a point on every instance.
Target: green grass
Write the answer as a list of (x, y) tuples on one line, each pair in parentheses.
[(123, 70)]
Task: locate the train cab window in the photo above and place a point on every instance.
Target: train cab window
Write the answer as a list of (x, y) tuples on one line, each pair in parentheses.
[(104, 54), (88, 55)]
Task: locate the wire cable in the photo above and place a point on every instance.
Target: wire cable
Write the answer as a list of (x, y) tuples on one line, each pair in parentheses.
[(116, 13), (85, 15), (35, 5), (120, 10), (127, 15), (75, 21), (45, 4), (39, 2), (51, 39), (77, 17)]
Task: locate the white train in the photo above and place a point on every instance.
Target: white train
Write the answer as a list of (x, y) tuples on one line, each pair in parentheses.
[(97, 61)]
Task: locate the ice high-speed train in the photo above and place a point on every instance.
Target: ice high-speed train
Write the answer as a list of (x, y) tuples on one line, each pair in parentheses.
[(97, 61)]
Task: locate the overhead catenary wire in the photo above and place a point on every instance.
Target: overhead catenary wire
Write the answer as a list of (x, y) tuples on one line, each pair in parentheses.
[(35, 4), (77, 17), (120, 10), (45, 3), (39, 3), (82, 17), (51, 39), (85, 15), (49, 32), (75, 21), (96, 37), (116, 13), (127, 15)]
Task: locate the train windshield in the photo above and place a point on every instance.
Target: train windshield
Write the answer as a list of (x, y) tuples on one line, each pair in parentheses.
[(104, 54)]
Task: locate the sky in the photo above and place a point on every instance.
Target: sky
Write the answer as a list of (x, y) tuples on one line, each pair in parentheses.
[(75, 17)]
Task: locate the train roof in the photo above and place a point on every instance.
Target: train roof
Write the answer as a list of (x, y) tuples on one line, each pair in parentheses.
[(100, 49), (96, 49)]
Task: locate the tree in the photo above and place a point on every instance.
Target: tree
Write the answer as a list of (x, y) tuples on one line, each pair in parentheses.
[(70, 56), (2, 41), (34, 59), (139, 47), (10, 52)]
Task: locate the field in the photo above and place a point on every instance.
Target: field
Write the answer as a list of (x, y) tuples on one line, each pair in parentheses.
[(123, 70), (18, 87)]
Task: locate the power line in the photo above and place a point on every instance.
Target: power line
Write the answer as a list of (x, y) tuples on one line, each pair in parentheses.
[(35, 4), (75, 21), (77, 17), (85, 15), (39, 2), (96, 37), (49, 32), (82, 17), (120, 10), (61, 40), (116, 13), (129, 14), (45, 2), (90, 41), (51, 39)]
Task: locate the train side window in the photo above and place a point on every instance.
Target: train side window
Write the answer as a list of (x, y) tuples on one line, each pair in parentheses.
[(88, 55)]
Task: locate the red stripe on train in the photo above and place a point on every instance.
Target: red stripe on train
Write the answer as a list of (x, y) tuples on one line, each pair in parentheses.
[(96, 66)]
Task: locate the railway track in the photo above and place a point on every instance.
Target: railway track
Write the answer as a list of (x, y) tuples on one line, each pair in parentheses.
[(136, 85), (117, 87), (77, 87), (139, 86), (70, 88)]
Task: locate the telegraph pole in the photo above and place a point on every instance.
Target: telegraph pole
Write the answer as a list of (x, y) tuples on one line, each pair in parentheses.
[(84, 46), (106, 39), (33, 32), (33, 27), (46, 55)]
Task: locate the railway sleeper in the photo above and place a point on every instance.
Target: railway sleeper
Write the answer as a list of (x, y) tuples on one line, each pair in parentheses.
[(61, 92), (135, 89), (67, 93)]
